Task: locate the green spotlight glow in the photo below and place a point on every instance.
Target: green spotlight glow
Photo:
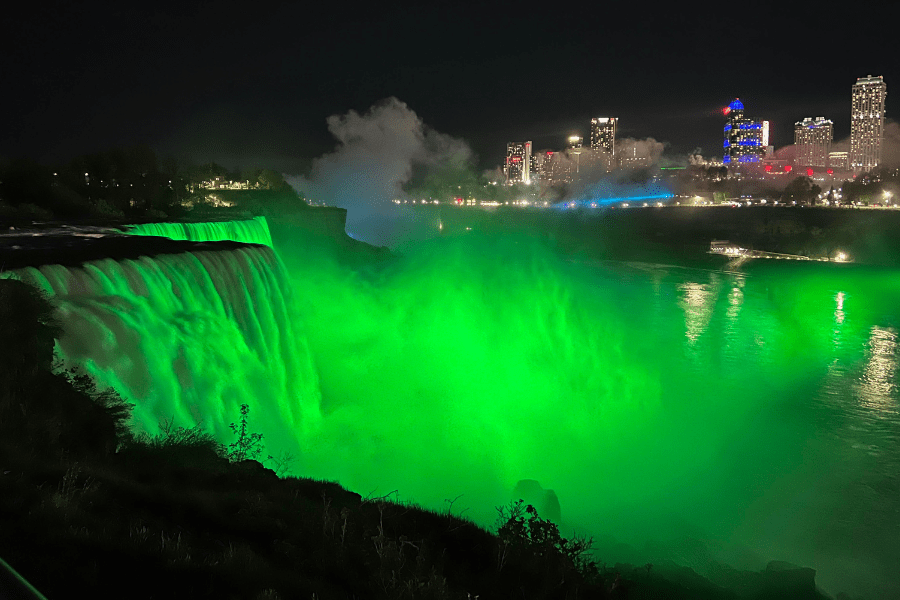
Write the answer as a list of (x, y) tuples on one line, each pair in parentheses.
[(756, 411)]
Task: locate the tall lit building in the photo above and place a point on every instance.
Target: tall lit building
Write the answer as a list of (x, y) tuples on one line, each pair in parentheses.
[(543, 166), (744, 141), (518, 163), (574, 150), (867, 123), (812, 138), (603, 134), (603, 141)]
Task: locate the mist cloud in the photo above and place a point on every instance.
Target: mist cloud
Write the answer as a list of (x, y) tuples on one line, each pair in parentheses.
[(376, 155), (648, 149), (638, 160)]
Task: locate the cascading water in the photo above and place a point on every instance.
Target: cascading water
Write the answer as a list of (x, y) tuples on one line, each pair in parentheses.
[(249, 231), (190, 336)]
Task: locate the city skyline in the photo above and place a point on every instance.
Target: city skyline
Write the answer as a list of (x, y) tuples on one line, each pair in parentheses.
[(748, 140), (219, 83)]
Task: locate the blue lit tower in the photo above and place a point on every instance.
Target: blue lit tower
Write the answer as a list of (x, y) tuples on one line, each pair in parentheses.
[(743, 137)]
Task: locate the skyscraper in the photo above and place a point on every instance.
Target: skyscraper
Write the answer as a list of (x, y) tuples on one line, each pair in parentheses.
[(574, 150), (867, 123), (603, 141), (518, 163), (743, 136), (603, 134), (813, 138)]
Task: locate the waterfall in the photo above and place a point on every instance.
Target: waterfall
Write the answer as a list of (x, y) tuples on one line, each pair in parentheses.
[(250, 231), (190, 337)]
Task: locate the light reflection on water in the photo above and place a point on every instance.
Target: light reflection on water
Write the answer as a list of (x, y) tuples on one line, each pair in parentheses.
[(830, 357), (697, 300), (877, 387)]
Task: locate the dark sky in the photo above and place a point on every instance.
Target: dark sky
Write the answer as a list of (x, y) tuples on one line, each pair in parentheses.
[(252, 83)]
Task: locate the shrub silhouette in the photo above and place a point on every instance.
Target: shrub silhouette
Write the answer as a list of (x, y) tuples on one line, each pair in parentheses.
[(247, 446), (180, 447), (527, 539)]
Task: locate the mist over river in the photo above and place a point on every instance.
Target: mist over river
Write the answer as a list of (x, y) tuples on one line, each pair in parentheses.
[(756, 411)]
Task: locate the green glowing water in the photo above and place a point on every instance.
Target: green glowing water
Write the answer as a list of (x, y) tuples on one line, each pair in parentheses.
[(757, 411), (251, 231), (189, 337)]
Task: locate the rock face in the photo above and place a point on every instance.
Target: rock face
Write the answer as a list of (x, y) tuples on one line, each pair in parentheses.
[(779, 581), (545, 501)]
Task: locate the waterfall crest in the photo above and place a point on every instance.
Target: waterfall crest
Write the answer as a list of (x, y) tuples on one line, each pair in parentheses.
[(250, 231)]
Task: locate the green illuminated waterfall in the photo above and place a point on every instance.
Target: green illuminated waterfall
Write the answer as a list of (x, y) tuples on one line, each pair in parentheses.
[(190, 336), (250, 231)]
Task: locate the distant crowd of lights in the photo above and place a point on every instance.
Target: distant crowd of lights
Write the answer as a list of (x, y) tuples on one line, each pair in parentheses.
[(646, 202), (474, 202)]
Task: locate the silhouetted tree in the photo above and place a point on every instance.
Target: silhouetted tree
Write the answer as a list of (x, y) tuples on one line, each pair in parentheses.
[(801, 190)]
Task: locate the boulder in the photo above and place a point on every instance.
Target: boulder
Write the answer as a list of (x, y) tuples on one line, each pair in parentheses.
[(545, 501)]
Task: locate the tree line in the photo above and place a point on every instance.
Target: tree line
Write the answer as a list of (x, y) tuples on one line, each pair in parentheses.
[(131, 181)]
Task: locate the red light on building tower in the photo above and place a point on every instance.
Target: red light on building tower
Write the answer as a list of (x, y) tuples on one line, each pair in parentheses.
[(768, 168), (809, 172), (831, 171), (787, 168)]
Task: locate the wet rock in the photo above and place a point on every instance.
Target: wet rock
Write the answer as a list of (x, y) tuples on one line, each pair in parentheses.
[(545, 501)]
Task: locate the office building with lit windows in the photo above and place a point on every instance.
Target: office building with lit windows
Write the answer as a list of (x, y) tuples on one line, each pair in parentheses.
[(812, 139), (867, 123), (745, 139), (603, 135), (518, 163), (603, 141), (574, 150), (838, 160)]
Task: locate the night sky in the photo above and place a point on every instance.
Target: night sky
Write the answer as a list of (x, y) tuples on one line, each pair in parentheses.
[(252, 83)]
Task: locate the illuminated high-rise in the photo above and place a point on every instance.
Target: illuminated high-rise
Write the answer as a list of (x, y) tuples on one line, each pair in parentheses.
[(543, 166), (867, 123), (603, 141), (518, 163), (744, 141), (603, 135), (812, 139), (574, 150)]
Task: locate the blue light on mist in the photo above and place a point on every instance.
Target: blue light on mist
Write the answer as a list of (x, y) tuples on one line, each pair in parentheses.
[(598, 202)]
